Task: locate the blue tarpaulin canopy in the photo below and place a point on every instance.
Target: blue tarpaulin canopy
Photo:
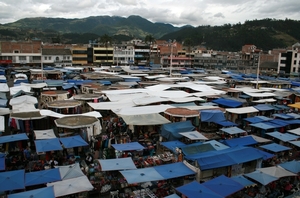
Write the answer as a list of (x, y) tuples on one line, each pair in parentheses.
[(243, 181), (197, 190), (285, 137), (117, 164), (173, 144), (264, 126), (264, 118), (78, 82), (52, 144), (172, 196), (197, 148), (225, 123), (173, 170), (12, 180), (226, 157), (73, 141), (261, 177), (254, 119), (217, 145), (263, 107), (212, 116), (283, 116), (265, 155), (141, 175), (69, 86), (105, 82), (47, 192), (132, 146), (279, 122), (296, 143), (233, 130), (228, 102), (292, 166), (242, 141), (294, 115), (292, 121), (42, 177), (2, 161), (13, 138), (223, 185), (274, 147), (171, 131)]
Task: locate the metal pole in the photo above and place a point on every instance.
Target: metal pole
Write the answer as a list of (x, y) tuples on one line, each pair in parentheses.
[(42, 65), (257, 75), (171, 60)]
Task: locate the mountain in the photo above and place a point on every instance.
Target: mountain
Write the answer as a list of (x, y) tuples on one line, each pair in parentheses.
[(132, 27), (266, 34)]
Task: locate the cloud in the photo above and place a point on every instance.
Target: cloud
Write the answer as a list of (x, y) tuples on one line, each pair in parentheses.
[(219, 15), (176, 12)]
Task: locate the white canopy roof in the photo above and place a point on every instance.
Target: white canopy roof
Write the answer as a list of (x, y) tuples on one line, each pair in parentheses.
[(127, 96), (149, 100), (23, 103), (46, 112), (265, 100), (260, 139), (141, 110), (71, 186), (194, 135), (145, 119), (4, 87), (44, 134), (2, 125), (111, 105), (36, 85), (242, 110), (16, 89), (124, 91), (208, 93), (295, 131), (170, 94), (259, 94), (70, 171)]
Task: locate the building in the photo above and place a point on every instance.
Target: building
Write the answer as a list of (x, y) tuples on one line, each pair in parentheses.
[(57, 57), (103, 55), (123, 55), (21, 52), (289, 61), (80, 55)]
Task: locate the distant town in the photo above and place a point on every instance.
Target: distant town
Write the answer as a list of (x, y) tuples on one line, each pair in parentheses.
[(161, 53)]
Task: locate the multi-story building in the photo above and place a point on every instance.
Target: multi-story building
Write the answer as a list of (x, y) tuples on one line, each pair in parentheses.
[(123, 55), (289, 61), (21, 52), (80, 55), (57, 57), (103, 55)]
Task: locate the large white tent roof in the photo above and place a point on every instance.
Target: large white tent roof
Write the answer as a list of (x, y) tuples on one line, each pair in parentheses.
[(111, 105), (142, 110), (71, 186), (242, 110)]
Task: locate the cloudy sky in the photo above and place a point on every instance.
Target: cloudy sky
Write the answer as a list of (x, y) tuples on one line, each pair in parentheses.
[(176, 12)]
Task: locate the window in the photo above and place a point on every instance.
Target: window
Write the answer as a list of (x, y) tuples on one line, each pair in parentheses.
[(16, 51), (22, 58), (49, 57), (45, 58)]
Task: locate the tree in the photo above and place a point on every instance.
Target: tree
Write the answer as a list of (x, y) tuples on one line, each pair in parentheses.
[(106, 41), (149, 40)]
